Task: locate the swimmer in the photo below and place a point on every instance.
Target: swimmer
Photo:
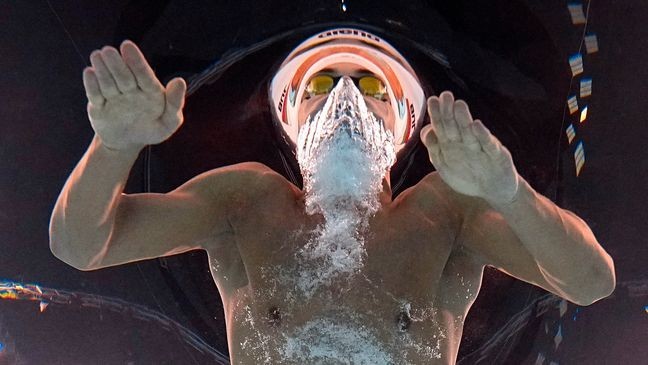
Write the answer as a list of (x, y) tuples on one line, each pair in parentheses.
[(336, 272)]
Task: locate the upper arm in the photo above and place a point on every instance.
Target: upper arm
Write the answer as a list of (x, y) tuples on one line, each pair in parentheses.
[(484, 234), (151, 225)]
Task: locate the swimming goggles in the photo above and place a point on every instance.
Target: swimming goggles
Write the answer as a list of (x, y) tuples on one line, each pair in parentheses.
[(368, 85)]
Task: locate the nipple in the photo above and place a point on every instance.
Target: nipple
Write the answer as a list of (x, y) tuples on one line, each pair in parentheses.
[(274, 316), (403, 321)]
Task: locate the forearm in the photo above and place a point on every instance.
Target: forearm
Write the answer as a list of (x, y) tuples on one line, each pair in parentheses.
[(562, 244), (84, 213)]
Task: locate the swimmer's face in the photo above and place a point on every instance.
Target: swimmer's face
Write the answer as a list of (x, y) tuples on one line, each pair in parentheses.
[(345, 137), (344, 151), (380, 107)]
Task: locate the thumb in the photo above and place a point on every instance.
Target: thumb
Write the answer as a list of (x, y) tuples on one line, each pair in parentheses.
[(175, 95), (428, 136), (431, 142)]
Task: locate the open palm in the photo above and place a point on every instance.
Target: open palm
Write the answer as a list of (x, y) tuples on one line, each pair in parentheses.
[(467, 156), (128, 107)]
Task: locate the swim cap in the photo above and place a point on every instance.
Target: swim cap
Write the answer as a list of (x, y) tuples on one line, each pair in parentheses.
[(348, 45)]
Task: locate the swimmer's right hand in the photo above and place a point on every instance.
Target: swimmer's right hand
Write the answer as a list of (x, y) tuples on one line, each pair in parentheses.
[(128, 107)]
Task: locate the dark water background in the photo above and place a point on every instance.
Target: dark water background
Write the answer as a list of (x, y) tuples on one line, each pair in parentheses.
[(507, 59)]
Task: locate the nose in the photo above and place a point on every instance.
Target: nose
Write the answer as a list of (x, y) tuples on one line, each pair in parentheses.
[(346, 81)]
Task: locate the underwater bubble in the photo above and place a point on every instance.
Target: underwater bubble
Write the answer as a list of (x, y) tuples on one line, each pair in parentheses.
[(344, 153)]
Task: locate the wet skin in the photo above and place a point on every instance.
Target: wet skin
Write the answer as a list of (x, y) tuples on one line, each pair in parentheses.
[(410, 299), (410, 258)]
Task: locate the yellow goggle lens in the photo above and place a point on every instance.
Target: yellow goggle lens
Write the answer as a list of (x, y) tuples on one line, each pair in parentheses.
[(369, 85), (372, 86), (320, 85)]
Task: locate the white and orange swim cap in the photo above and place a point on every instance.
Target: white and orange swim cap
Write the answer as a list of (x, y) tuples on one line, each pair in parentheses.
[(358, 47)]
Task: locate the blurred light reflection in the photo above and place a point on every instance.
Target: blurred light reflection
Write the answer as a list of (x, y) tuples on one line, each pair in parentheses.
[(585, 87), (571, 133), (576, 64), (591, 43), (577, 13), (19, 291), (579, 157), (573, 104)]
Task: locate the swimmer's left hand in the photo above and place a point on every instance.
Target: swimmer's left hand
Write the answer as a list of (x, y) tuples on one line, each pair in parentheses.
[(467, 156)]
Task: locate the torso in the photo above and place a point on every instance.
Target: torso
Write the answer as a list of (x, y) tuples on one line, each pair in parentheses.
[(407, 304)]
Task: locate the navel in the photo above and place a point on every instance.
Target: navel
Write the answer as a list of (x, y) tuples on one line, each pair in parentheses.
[(274, 316)]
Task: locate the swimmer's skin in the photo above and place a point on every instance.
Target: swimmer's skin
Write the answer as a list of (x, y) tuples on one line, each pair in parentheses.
[(473, 162), (499, 219)]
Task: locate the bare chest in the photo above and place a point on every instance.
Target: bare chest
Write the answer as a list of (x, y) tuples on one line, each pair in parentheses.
[(404, 301)]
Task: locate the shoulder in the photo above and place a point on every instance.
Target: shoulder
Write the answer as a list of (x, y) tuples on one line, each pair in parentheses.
[(432, 184), (461, 210), (240, 170), (431, 193), (244, 180), (245, 187), (232, 185), (434, 197)]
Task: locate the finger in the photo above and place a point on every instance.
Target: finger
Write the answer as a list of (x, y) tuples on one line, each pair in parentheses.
[(447, 115), (91, 85), (488, 142), (429, 137), (106, 82), (175, 93), (434, 109), (93, 111), (143, 73), (431, 142), (464, 120), (120, 72)]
